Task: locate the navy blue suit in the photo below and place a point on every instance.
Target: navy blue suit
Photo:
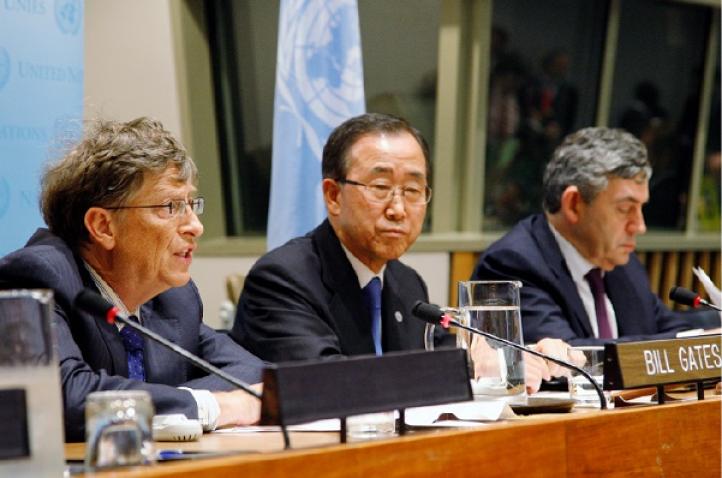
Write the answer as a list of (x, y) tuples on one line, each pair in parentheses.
[(550, 303), (303, 301), (91, 353)]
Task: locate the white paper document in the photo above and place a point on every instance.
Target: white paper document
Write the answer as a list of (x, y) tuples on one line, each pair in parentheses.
[(462, 414), (455, 415)]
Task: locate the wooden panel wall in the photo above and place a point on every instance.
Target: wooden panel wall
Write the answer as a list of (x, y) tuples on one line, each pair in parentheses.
[(669, 268)]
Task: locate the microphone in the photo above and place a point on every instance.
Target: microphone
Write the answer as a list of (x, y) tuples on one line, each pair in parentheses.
[(94, 304), (687, 297), (435, 315)]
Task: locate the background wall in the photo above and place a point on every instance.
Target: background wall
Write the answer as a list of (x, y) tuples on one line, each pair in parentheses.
[(131, 70), (130, 63)]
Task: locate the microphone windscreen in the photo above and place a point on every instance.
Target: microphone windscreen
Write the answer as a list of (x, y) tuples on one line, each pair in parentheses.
[(427, 312), (684, 296), (92, 303)]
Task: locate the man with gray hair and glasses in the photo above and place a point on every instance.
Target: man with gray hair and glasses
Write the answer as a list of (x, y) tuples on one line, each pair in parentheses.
[(582, 281), (122, 216)]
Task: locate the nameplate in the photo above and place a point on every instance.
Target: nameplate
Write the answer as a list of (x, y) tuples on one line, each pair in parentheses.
[(660, 362), (305, 391)]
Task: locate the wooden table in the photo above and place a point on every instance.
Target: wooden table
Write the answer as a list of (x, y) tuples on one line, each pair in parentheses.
[(676, 439)]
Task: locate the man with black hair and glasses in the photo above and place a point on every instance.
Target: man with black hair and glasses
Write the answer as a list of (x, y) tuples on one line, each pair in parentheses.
[(340, 289)]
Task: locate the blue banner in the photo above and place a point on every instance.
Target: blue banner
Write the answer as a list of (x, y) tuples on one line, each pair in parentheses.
[(41, 103), (319, 85)]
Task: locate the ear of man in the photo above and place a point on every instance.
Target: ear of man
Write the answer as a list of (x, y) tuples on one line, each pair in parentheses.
[(572, 205), (101, 227), (331, 193)]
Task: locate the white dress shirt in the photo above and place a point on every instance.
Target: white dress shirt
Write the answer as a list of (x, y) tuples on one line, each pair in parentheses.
[(363, 273), (579, 267)]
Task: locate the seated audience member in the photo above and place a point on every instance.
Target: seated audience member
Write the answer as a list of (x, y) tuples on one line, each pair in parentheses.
[(582, 282), (340, 290), (122, 213)]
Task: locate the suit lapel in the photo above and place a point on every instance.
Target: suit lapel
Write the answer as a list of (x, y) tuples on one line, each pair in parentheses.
[(628, 312), (112, 357), (348, 311), (400, 331), (565, 284), (161, 364)]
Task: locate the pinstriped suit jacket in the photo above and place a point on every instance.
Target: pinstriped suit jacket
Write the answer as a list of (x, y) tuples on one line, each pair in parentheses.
[(91, 353)]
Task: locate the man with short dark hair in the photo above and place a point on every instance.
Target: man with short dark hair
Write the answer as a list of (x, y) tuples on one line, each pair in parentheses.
[(122, 213), (308, 298), (340, 290), (582, 282)]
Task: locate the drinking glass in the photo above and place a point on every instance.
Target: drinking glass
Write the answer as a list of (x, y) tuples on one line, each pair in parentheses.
[(371, 426), (118, 429), (493, 307), (30, 392), (580, 388)]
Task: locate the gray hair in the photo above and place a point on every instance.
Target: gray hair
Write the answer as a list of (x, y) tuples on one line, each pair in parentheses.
[(105, 169), (588, 158)]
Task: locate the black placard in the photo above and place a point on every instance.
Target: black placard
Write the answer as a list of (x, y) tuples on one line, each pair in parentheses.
[(14, 423), (305, 391)]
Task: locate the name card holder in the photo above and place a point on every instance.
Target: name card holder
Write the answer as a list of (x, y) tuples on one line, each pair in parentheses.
[(657, 363), (301, 392)]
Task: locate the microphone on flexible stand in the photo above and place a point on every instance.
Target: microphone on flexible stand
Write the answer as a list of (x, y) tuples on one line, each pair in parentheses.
[(435, 315), (96, 305), (687, 297)]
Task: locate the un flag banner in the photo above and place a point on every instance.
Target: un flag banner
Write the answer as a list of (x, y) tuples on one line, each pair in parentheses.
[(41, 104), (319, 85)]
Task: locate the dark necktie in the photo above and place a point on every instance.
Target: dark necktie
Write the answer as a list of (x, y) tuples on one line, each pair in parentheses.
[(596, 283), (133, 343), (372, 298)]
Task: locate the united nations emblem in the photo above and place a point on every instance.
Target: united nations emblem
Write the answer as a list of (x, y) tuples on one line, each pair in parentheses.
[(4, 67), (69, 15), (320, 68)]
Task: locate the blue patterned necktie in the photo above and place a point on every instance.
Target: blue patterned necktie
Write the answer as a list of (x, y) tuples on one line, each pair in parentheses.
[(372, 298), (133, 343)]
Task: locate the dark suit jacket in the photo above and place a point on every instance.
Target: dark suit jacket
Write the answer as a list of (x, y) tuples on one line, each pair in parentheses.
[(303, 301), (91, 353), (550, 304)]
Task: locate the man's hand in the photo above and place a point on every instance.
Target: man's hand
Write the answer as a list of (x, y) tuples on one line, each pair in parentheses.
[(484, 357), (535, 370), (238, 407), (561, 350)]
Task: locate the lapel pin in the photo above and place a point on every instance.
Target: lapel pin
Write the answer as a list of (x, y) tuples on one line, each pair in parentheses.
[(398, 316)]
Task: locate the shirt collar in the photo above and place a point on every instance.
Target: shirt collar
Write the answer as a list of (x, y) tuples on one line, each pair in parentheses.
[(577, 264), (363, 273), (108, 293)]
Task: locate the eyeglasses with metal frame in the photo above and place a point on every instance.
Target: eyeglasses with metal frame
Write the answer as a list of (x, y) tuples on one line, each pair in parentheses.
[(382, 193), (176, 207)]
